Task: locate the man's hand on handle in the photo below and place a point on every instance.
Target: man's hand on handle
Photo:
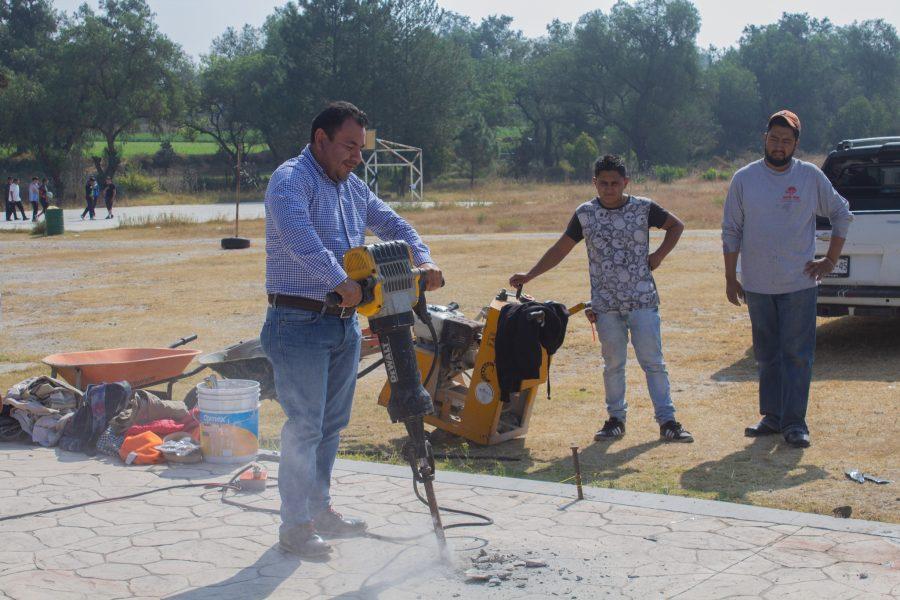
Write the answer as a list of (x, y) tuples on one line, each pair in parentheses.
[(434, 278), (350, 293), (735, 291)]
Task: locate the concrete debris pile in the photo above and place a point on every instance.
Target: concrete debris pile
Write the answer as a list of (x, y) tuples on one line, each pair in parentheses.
[(496, 568)]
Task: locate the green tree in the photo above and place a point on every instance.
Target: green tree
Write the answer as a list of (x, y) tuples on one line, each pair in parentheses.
[(636, 69), (26, 28), (735, 105), (541, 81), (581, 154), (233, 79), (476, 146), (35, 117), (385, 56), (794, 62), (860, 117), (129, 73), (44, 122)]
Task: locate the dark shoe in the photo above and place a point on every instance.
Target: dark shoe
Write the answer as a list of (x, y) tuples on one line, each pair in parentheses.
[(612, 428), (797, 439), (331, 523), (759, 430), (672, 431), (303, 541)]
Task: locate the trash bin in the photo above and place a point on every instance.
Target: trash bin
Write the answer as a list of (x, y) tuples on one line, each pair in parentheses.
[(54, 223)]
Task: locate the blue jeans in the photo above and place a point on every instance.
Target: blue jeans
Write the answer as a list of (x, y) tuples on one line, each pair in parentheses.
[(784, 345), (315, 359), (613, 329)]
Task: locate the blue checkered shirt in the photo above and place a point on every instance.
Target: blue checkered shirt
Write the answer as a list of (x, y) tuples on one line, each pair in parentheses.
[(311, 221)]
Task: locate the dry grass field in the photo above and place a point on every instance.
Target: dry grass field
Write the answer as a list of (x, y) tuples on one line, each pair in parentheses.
[(148, 287)]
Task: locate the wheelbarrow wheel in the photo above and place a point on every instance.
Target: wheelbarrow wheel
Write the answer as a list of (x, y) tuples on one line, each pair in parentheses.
[(190, 400), (235, 243)]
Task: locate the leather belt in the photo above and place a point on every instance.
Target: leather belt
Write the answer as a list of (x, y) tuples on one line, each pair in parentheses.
[(281, 300)]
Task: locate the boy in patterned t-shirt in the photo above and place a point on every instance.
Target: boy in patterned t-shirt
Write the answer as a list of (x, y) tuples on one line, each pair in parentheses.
[(615, 227)]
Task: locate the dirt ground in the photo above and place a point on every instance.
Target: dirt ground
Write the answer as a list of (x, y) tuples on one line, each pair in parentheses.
[(148, 287)]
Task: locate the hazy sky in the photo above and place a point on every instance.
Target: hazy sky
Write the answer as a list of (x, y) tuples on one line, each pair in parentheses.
[(194, 23)]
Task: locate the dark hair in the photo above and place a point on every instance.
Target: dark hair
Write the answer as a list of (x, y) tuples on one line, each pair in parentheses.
[(782, 122), (334, 116), (34, 178), (610, 162)]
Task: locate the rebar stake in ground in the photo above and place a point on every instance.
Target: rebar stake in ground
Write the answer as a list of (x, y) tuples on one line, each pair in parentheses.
[(577, 472)]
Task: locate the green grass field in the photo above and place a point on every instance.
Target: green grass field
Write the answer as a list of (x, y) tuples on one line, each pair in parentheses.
[(149, 148)]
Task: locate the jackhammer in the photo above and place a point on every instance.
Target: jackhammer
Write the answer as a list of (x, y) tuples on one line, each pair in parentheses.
[(393, 291)]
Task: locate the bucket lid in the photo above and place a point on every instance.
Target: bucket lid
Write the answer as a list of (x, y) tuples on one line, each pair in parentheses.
[(229, 385)]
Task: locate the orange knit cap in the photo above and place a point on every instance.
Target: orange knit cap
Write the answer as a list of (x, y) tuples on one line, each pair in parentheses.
[(143, 447)]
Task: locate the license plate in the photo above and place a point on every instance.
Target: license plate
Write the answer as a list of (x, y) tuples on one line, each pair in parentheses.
[(841, 269)]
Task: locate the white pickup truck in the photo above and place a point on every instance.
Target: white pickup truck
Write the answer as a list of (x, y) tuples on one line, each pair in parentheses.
[(866, 280)]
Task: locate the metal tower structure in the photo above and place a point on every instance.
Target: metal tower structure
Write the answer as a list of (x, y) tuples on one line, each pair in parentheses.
[(384, 153)]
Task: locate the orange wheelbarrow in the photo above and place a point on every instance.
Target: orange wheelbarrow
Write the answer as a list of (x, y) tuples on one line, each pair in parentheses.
[(141, 367)]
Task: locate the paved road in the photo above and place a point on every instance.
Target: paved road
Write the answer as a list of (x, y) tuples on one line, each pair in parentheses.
[(196, 212), (186, 544)]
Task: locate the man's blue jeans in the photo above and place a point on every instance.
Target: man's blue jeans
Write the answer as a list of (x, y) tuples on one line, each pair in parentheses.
[(784, 345), (315, 359), (613, 328)]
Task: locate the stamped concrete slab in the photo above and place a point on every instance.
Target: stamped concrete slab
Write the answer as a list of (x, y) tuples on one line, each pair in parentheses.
[(186, 544)]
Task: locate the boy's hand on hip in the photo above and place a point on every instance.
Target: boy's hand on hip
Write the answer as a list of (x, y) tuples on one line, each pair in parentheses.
[(591, 315), (734, 291), (654, 260)]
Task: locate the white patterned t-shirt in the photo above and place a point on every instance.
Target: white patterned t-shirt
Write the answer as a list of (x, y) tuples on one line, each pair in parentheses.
[(618, 247)]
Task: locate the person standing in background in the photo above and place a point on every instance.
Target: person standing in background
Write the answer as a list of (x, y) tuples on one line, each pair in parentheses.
[(10, 210), (109, 196), (15, 199), (33, 197), (769, 221), (89, 198), (43, 198)]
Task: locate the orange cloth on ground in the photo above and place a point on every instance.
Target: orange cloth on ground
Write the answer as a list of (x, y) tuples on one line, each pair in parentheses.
[(144, 448)]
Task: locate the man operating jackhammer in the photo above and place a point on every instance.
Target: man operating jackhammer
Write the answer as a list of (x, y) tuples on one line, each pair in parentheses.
[(316, 210)]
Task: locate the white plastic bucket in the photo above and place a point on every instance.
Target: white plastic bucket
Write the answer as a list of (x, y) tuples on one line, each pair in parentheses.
[(229, 421)]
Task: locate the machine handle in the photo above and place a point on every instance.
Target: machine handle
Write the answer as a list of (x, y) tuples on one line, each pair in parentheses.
[(519, 289), (333, 299), (184, 340)]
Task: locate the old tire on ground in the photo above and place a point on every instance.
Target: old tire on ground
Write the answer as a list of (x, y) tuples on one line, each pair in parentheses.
[(235, 243)]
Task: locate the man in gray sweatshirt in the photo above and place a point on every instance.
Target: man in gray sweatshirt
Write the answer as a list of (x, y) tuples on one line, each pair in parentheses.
[(770, 222)]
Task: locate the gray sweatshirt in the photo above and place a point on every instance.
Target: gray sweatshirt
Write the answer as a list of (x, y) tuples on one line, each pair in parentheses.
[(770, 218)]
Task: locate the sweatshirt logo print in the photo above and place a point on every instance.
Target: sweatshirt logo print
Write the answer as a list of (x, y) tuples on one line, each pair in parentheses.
[(790, 195)]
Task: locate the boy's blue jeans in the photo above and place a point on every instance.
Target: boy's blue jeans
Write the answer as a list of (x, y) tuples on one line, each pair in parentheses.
[(315, 359), (643, 324), (784, 345)]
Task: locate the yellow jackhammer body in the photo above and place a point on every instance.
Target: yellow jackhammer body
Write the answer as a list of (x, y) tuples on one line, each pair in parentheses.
[(393, 294)]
